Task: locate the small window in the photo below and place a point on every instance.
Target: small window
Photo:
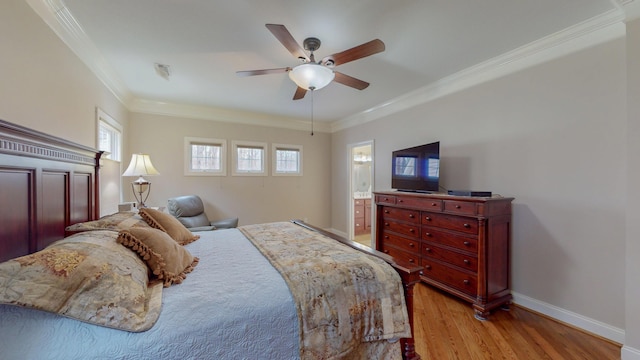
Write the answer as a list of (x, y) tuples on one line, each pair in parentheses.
[(249, 158), (109, 136), (205, 157), (287, 160)]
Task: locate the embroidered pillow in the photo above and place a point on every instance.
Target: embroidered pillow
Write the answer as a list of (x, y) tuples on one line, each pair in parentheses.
[(88, 277), (118, 221), (169, 224), (167, 260)]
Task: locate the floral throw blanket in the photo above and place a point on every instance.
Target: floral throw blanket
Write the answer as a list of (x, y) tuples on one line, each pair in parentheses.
[(344, 297)]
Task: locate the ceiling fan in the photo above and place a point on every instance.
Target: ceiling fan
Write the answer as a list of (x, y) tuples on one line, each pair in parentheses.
[(312, 75)]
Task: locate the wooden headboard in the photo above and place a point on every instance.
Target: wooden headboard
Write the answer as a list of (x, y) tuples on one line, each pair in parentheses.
[(46, 184)]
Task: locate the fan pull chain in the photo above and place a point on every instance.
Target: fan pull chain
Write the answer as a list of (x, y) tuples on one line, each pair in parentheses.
[(312, 88)]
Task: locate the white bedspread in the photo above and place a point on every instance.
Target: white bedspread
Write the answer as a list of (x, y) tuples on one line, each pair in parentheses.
[(234, 305)]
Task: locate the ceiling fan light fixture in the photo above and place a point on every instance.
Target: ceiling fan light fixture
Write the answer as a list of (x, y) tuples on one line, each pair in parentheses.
[(311, 75)]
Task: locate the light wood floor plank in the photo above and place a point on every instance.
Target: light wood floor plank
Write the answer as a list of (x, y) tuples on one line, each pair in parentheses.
[(445, 328)]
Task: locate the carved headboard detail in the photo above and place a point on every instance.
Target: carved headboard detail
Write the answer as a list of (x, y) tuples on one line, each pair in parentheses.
[(46, 184)]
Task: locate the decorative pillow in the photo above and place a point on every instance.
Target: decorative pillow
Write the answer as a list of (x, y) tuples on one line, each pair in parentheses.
[(88, 277), (168, 224), (118, 221), (167, 260)]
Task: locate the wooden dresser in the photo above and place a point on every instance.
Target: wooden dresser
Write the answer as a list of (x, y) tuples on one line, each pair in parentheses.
[(462, 242)]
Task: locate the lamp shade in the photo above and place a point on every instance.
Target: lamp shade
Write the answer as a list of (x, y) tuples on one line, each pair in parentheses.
[(311, 76), (140, 165)]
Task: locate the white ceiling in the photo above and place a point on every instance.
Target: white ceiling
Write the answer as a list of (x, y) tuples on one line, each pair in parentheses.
[(206, 41)]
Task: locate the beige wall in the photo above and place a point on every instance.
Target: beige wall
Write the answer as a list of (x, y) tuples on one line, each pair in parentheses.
[(254, 199), (554, 137), (632, 295), (43, 85)]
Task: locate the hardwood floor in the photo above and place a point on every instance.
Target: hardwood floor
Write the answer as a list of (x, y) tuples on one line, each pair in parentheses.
[(364, 239), (446, 329)]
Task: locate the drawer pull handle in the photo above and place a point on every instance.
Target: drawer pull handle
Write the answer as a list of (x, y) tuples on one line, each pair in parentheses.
[(427, 234), (466, 261), (411, 244), (411, 216), (427, 218), (466, 282), (434, 204), (466, 225), (400, 200), (466, 243), (386, 237), (412, 230), (385, 251), (427, 249), (386, 224), (411, 261), (428, 267), (457, 206)]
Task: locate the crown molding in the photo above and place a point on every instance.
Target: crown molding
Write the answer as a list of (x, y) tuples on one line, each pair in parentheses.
[(631, 8), (594, 31), (599, 29), (224, 115), (61, 21)]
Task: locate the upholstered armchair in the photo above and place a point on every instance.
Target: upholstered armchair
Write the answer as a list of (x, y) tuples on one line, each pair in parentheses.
[(189, 210)]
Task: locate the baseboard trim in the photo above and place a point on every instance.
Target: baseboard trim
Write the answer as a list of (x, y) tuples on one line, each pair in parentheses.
[(629, 353), (587, 324)]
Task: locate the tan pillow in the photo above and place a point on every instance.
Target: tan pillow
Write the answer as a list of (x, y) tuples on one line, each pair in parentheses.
[(88, 277), (169, 224), (118, 221), (167, 260)]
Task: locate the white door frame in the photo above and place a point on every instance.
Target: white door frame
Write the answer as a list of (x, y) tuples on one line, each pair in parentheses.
[(350, 211)]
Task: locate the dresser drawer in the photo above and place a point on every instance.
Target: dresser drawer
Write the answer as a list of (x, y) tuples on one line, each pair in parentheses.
[(359, 202), (461, 260), (358, 211), (439, 237), (457, 223), (386, 199), (410, 245), (401, 255), (450, 276), (420, 203), (460, 207), (411, 230), (412, 216)]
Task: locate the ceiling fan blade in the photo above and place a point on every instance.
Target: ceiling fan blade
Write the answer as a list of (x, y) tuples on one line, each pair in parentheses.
[(263, 71), (300, 93), (350, 81), (355, 53), (284, 36)]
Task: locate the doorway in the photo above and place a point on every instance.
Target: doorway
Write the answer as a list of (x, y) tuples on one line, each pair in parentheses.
[(360, 188)]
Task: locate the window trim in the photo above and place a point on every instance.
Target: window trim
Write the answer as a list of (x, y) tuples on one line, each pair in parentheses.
[(109, 122), (274, 152), (188, 141), (262, 145)]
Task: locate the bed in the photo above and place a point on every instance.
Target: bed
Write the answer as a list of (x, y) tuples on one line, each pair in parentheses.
[(232, 297)]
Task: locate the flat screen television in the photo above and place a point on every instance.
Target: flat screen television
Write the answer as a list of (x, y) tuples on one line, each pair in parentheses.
[(416, 169)]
